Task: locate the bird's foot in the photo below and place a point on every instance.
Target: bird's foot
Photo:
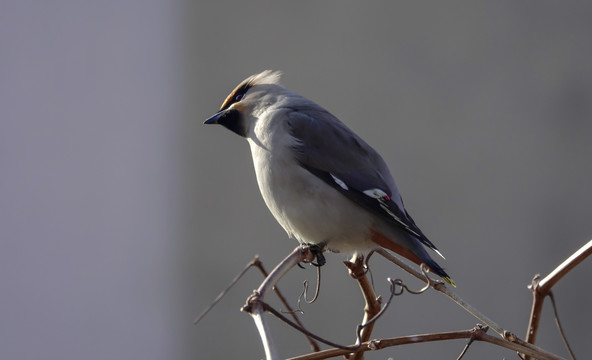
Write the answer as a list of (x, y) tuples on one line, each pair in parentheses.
[(317, 251)]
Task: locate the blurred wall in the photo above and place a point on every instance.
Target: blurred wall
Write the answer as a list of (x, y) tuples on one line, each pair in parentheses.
[(88, 97), (122, 216)]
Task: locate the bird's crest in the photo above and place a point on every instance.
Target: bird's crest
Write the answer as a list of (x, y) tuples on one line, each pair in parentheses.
[(265, 77)]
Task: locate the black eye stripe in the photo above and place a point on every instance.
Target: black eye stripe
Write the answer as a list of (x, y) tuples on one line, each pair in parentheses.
[(236, 96), (242, 91)]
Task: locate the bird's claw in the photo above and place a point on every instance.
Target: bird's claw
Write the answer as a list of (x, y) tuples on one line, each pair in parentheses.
[(317, 251)]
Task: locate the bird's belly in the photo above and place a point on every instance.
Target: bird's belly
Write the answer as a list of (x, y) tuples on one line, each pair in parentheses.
[(311, 211)]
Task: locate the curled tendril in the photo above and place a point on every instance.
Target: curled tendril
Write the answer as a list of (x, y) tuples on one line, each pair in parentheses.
[(369, 269), (397, 287), (304, 294)]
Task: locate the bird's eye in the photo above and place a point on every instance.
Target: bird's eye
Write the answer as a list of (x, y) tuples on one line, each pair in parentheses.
[(239, 97)]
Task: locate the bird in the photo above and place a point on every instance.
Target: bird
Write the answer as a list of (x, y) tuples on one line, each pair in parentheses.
[(323, 184)]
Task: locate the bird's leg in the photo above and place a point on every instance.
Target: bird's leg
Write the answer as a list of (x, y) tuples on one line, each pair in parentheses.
[(317, 251)]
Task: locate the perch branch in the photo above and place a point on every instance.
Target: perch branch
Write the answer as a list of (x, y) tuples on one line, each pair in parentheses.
[(477, 334), (257, 263), (441, 287), (358, 270), (541, 288), (359, 328), (571, 262), (254, 305)]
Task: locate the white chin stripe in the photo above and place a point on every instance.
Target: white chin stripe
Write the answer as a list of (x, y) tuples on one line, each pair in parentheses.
[(339, 182), (376, 193)]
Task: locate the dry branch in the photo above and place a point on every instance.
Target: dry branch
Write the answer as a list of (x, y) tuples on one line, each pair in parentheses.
[(541, 288), (441, 287), (477, 334), (256, 307), (257, 263), (358, 270)]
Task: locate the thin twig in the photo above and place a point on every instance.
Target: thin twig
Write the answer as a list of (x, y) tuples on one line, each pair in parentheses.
[(257, 311), (259, 265), (478, 333), (571, 353), (464, 350), (472, 339), (541, 288), (359, 329), (520, 347), (254, 305), (358, 270), (221, 295), (560, 271), (255, 262), (441, 287)]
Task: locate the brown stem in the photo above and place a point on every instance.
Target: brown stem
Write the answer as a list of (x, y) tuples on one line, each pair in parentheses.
[(541, 288), (259, 265), (477, 334), (358, 271), (254, 305), (441, 287)]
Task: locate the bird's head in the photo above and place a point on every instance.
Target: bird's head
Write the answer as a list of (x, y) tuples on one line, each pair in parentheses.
[(249, 98)]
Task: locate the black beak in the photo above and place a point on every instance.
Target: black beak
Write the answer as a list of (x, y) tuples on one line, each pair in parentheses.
[(214, 118), (230, 119)]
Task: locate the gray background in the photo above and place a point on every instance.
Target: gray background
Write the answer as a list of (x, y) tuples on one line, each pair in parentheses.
[(122, 216)]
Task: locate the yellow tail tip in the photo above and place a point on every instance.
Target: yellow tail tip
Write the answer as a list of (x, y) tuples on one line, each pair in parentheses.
[(449, 280)]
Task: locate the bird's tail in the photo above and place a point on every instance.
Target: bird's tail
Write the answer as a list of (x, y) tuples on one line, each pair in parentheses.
[(383, 241), (437, 269)]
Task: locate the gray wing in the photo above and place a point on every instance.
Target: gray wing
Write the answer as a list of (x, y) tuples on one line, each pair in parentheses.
[(332, 152)]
